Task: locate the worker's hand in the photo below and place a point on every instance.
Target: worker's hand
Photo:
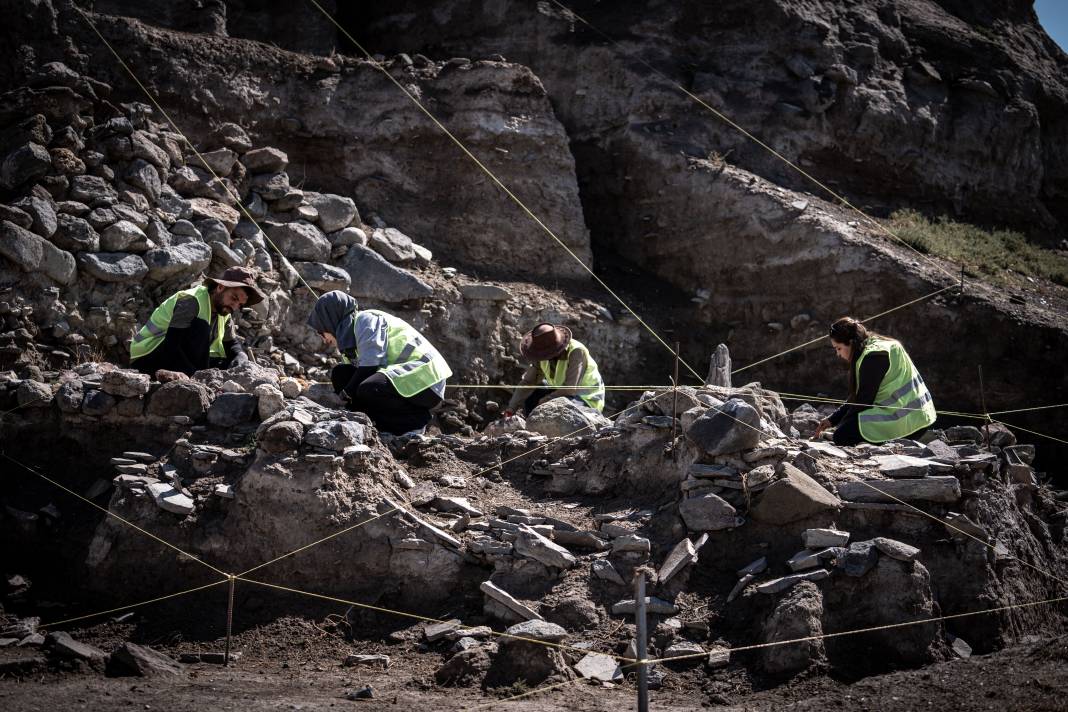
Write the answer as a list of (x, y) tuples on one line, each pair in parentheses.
[(165, 376), (824, 424)]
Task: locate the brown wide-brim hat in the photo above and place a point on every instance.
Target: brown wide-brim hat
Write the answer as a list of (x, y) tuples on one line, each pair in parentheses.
[(545, 341), (241, 277)]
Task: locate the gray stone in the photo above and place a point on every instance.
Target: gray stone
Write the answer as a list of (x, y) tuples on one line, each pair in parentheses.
[(860, 558), (508, 601), (323, 277), (298, 240), (944, 489), (90, 190), (170, 499), (603, 569), (798, 615), (794, 497), (680, 557), (75, 234), (98, 403), (468, 665), (597, 666), (125, 383), (536, 630), (24, 164), (232, 136), (455, 504), (960, 647), (484, 292), (366, 660), (42, 214), (434, 632), (20, 246), (531, 544), (281, 437), (740, 586), (188, 259), (757, 567), (901, 466), (653, 606), (144, 661), (204, 208), (562, 416), (188, 398), (142, 175), (685, 649), (265, 160), (347, 236), (708, 512), (273, 187), (781, 584), (728, 428), (230, 409), (822, 538), (964, 433), (58, 265), (220, 161), (336, 435), (827, 449), (375, 278), (631, 543), (581, 539), (896, 549), (33, 394), (804, 559), (17, 216), (118, 267), (335, 212), (68, 647), (392, 244)]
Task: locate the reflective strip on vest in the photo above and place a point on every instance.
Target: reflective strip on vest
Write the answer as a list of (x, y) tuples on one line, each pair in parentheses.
[(412, 363), (591, 387), (151, 335), (903, 403)]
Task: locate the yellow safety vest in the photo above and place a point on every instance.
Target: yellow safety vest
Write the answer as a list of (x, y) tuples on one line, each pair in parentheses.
[(591, 387), (412, 363), (903, 404), (151, 335)]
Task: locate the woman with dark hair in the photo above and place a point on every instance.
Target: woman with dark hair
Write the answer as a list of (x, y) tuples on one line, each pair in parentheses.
[(389, 370), (888, 398)]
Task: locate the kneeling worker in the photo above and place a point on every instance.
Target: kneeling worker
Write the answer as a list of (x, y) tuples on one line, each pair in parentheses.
[(888, 400), (192, 330), (562, 365), (390, 371)]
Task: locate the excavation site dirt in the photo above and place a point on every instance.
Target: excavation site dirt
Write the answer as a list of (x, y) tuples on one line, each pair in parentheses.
[(246, 538)]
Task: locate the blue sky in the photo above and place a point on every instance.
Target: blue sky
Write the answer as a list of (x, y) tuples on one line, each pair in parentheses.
[(1053, 14)]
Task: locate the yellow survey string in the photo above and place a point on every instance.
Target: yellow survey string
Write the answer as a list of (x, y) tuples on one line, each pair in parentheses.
[(127, 607)]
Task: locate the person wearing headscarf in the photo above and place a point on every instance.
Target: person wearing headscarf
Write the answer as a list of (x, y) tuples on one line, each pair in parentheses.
[(888, 398), (560, 366), (193, 330), (389, 370)]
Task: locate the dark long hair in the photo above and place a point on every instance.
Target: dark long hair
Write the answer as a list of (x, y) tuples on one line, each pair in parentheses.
[(848, 330)]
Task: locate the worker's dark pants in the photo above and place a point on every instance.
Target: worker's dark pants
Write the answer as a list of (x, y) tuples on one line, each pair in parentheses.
[(375, 395), (848, 432)]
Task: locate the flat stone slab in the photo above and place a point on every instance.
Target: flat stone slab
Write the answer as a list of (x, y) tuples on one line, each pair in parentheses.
[(684, 647), (508, 601), (603, 569), (902, 466), (827, 449), (718, 657), (680, 557), (581, 539), (358, 659), (781, 584), (169, 499), (534, 545), (945, 488), (596, 666), (68, 647), (896, 549), (455, 504), (535, 630), (754, 568), (804, 559), (436, 631), (822, 538)]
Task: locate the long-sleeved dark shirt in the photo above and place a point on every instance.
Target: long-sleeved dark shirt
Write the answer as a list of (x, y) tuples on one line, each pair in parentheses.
[(187, 343), (873, 370)]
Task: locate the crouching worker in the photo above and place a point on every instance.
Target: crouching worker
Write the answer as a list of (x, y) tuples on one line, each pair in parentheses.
[(390, 371), (560, 366), (192, 330), (888, 398)]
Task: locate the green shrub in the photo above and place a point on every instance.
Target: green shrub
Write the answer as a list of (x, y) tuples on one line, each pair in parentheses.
[(995, 255)]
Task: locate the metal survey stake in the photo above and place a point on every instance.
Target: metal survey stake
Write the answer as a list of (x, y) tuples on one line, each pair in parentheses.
[(675, 406), (229, 621), (639, 619)]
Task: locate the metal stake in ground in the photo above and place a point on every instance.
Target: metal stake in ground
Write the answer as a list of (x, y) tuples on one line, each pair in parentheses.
[(229, 620), (675, 406), (639, 619)]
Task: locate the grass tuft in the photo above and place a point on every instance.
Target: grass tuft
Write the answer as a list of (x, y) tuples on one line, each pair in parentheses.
[(998, 255)]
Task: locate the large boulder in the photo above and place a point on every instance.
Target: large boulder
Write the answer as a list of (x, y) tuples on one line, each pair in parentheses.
[(731, 427), (24, 164), (117, 267), (708, 512), (521, 658), (793, 497), (298, 240), (188, 259), (375, 278), (798, 615), (563, 416), (336, 212), (20, 246), (323, 277), (75, 234), (187, 398)]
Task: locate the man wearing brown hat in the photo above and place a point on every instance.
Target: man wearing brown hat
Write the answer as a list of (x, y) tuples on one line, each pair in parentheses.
[(192, 330), (561, 364)]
